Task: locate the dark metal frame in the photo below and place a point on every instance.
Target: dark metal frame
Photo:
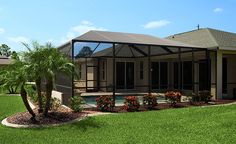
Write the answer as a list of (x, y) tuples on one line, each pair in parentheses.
[(148, 55)]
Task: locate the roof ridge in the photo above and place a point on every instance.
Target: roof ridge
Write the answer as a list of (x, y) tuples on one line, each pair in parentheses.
[(131, 33), (220, 31), (212, 36), (188, 31)]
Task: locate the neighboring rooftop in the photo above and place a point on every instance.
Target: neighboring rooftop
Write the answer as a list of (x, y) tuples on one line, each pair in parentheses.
[(4, 60), (207, 37)]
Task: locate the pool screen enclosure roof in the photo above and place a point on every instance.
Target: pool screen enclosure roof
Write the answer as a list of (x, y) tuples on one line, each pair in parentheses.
[(128, 38), (131, 45)]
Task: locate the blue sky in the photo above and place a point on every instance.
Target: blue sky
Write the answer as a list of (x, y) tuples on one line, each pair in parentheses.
[(60, 20)]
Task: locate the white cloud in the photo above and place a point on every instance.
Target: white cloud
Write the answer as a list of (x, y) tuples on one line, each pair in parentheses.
[(80, 29), (2, 30), (217, 10), (156, 24), (19, 39), (84, 27)]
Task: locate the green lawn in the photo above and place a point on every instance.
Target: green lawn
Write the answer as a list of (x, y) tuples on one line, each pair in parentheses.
[(188, 125)]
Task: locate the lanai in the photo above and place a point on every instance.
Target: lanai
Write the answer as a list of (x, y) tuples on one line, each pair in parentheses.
[(126, 45)]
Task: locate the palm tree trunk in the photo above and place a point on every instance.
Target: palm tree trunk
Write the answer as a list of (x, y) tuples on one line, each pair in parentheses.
[(49, 87), (26, 103), (38, 88)]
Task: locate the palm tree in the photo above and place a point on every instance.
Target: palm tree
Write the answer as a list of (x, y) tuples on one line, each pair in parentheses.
[(54, 62), (18, 76), (34, 56)]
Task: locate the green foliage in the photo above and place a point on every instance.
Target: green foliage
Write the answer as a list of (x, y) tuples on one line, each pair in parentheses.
[(131, 103), (105, 103), (204, 95), (40, 62), (12, 76), (46, 62), (54, 102), (5, 50), (192, 125), (76, 103), (31, 91), (85, 51), (150, 101)]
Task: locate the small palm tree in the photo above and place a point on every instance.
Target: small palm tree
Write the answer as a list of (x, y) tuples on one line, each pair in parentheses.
[(34, 61), (54, 62)]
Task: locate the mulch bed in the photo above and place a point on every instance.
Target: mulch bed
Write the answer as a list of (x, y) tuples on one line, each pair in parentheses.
[(161, 106), (62, 115)]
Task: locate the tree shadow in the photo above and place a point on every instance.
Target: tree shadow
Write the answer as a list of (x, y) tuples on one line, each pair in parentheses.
[(86, 124)]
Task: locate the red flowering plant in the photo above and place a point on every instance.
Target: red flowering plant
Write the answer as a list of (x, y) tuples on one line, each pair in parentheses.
[(131, 103), (173, 97), (105, 103), (150, 101)]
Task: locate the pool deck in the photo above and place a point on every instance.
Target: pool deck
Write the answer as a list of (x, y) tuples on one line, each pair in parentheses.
[(117, 94)]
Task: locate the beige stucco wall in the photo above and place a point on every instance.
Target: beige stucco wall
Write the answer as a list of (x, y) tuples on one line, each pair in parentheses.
[(169, 58)]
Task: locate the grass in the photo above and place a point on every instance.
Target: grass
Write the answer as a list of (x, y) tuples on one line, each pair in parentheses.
[(188, 125)]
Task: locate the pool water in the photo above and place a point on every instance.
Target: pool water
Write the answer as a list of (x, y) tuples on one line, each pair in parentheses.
[(119, 99)]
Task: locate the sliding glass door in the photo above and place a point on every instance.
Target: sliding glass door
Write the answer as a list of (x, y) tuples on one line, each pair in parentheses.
[(183, 75), (155, 75), (124, 75), (159, 75)]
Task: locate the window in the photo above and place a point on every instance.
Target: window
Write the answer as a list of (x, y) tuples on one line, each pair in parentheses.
[(103, 70), (141, 70)]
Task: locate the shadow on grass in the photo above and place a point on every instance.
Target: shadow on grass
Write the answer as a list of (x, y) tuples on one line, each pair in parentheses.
[(86, 124), (82, 125)]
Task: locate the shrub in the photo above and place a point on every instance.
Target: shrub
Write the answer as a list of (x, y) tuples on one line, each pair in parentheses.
[(204, 95), (54, 102), (173, 97), (131, 103), (76, 103), (150, 101), (105, 103)]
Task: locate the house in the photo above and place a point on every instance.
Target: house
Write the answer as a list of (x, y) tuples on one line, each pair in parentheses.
[(4, 61), (122, 62), (222, 64)]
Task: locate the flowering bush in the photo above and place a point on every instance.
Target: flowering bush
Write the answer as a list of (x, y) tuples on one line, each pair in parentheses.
[(104, 103), (131, 103), (150, 101), (173, 97)]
